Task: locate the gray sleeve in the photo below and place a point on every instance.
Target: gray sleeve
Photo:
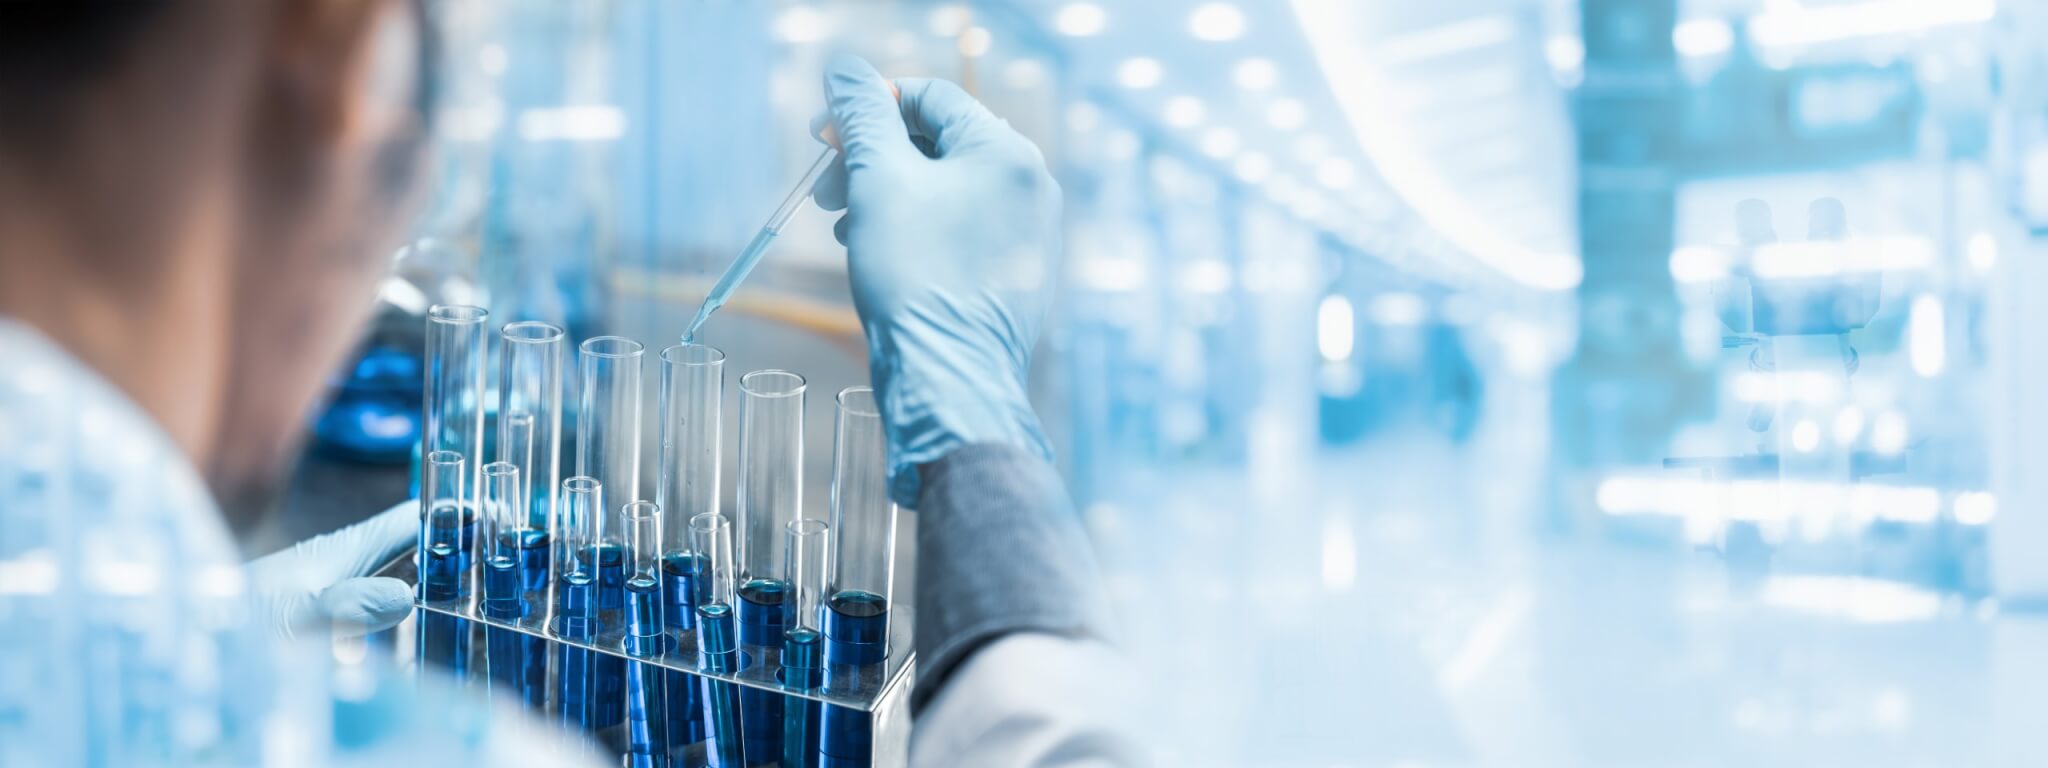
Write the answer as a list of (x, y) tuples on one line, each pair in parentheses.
[(1000, 550)]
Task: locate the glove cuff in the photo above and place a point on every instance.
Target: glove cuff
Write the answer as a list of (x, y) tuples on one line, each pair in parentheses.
[(934, 401)]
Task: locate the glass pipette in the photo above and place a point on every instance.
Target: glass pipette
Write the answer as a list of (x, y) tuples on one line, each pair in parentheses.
[(752, 255)]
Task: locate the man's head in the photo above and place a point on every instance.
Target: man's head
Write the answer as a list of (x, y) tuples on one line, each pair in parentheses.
[(198, 196)]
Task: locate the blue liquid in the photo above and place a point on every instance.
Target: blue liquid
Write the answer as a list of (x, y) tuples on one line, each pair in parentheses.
[(575, 671), (803, 670), (446, 554), (857, 623), (764, 616), (611, 670), (646, 723), (450, 544), (679, 572), (718, 652), (857, 634), (764, 611), (533, 562), (516, 662)]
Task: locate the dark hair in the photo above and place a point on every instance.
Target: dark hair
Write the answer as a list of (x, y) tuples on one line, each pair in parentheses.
[(51, 49)]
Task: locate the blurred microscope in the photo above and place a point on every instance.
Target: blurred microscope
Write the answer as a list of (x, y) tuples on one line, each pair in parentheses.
[(1792, 305)]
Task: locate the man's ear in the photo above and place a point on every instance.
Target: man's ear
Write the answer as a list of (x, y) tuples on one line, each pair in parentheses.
[(349, 67)]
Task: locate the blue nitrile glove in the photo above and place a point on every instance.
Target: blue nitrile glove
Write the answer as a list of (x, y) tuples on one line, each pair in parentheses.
[(321, 581), (952, 240)]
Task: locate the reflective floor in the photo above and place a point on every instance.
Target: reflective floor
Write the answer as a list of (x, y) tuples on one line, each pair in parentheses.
[(1413, 603)]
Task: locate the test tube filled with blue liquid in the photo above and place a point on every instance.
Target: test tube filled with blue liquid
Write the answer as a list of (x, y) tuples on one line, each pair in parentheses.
[(446, 546), (856, 616), (803, 652), (530, 438), (573, 617), (608, 448), (645, 638), (770, 496), (451, 447), (516, 661), (718, 651), (692, 396)]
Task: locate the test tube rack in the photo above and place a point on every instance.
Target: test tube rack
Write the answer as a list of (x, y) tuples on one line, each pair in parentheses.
[(886, 702)]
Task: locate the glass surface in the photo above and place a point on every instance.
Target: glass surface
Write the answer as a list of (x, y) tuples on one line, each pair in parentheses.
[(530, 413), (608, 426), (692, 398), (863, 523), (771, 473), (808, 550)]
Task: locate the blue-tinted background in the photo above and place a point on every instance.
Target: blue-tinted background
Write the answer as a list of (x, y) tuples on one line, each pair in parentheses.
[(1433, 389)]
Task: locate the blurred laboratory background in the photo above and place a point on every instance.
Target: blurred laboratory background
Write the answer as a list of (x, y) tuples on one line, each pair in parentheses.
[(1470, 382)]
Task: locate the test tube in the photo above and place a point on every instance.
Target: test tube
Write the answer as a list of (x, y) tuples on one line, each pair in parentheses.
[(608, 417), (771, 493), (516, 661), (692, 397), (802, 657), (530, 435), (445, 549), (575, 611), (856, 619), (502, 503), (452, 428), (454, 418), (770, 496), (646, 724), (692, 394), (608, 448), (717, 646)]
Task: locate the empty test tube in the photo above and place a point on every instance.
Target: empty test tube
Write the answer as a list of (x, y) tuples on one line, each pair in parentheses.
[(608, 449), (803, 662), (856, 616), (516, 662), (692, 396), (718, 649), (770, 496), (530, 437)]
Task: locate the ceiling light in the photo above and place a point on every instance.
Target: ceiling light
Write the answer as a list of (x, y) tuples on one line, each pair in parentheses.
[(975, 42), (1286, 114), (1447, 40), (1080, 20), (1256, 74), (1792, 26), (949, 19), (1139, 73), (1702, 37), (1216, 22), (1565, 53), (1184, 112), (1219, 142), (801, 24)]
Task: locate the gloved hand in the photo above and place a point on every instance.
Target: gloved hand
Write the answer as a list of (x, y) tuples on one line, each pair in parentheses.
[(953, 240), (322, 580)]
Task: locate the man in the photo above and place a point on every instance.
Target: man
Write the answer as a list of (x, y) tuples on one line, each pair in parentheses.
[(194, 200)]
